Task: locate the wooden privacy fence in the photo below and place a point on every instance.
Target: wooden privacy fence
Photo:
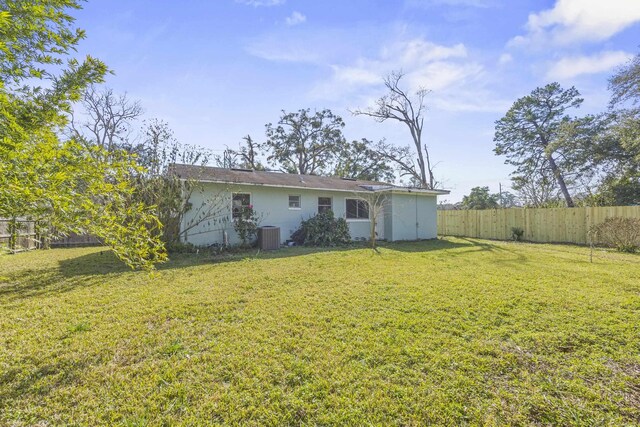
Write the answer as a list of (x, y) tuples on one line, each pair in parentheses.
[(18, 235), (74, 239), (557, 225)]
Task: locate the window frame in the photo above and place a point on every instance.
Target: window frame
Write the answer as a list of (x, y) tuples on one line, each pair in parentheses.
[(325, 206), (233, 212), (293, 208), (359, 203)]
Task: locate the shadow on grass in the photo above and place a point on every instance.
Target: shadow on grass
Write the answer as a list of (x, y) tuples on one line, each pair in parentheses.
[(41, 381), (90, 270), (73, 273)]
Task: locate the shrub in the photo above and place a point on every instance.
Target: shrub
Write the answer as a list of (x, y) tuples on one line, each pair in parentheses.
[(517, 233), (620, 233), (324, 229), (246, 225), (177, 247)]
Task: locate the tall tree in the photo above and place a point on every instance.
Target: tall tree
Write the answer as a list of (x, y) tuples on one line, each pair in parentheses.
[(247, 155), (53, 181), (360, 160), (480, 198), (171, 194), (538, 189), (109, 120), (530, 135), (303, 142), (618, 150), (401, 106)]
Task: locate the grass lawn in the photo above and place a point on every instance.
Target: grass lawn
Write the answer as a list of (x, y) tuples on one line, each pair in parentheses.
[(447, 332)]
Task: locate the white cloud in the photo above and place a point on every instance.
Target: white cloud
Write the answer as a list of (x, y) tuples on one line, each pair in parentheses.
[(296, 18), (425, 64), (570, 67), (458, 83), (421, 51), (572, 21), (356, 69), (259, 3), (505, 58)]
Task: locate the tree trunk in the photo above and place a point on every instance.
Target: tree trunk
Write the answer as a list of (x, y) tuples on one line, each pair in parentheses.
[(561, 183)]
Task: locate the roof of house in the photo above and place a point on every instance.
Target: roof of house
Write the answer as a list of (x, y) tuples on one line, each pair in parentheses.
[(287, 180)]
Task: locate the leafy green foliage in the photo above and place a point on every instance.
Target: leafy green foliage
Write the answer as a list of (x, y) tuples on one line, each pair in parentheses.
[(532, 133), (158, 185), (593, 158), (617, 149), (480, 198), (305, 143), (64, 184), (246, 224), (324, 229), (422, 333), (35, 34), (360, 160), (620, 233), (64, 187)]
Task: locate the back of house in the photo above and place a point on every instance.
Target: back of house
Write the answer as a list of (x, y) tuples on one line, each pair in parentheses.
[(285, 200)]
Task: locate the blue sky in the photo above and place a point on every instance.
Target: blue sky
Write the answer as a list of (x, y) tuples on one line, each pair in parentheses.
[(219, 70)]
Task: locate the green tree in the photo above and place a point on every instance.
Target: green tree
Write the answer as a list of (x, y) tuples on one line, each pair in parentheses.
[(305, 143), (59, 183), (532, 133), (360, 160), (617, 153), (507, 199), (480, 198)]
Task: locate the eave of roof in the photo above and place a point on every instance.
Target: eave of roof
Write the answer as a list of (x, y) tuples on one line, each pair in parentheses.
[(329, 183)]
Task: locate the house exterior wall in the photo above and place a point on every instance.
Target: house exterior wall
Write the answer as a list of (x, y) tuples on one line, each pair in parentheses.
[(271, 204), (413, 217), (401, 213)]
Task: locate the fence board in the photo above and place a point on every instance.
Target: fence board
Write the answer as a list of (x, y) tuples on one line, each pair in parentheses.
[(26, 238), (553, 225)]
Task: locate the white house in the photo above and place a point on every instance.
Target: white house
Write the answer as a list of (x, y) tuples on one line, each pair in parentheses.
[(284, 200)]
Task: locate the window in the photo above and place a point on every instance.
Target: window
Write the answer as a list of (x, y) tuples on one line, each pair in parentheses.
[(357, 209), (240, 201), (294, 202), (324, 204)]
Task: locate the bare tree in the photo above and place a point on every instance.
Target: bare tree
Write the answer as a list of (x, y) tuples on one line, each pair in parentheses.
[(376, 199), (109, 121), (398, 105), (246, 156), (182, 203), (538, 190)]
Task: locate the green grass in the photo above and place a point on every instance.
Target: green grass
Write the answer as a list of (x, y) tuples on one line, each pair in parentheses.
[(448, 332)]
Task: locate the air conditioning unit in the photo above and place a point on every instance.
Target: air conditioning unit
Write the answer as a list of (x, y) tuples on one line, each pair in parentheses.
[(269, 237)]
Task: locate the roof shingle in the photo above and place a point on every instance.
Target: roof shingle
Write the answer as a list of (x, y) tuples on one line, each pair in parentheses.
[(277, 179)]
